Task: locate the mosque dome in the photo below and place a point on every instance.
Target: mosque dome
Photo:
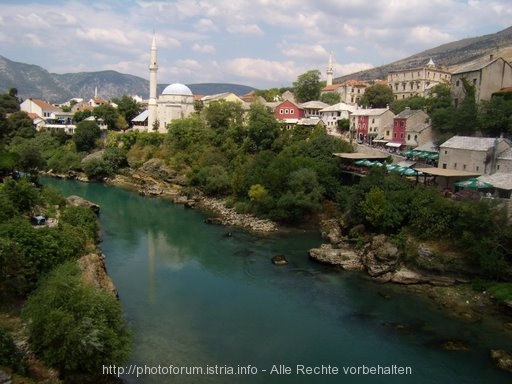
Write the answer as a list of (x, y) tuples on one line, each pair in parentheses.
[(177, 89)]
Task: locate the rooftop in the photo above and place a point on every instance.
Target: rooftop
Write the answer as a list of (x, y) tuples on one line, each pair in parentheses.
[(470, 143)]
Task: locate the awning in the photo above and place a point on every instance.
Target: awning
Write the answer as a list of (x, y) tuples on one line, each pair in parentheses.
[(394, 144)]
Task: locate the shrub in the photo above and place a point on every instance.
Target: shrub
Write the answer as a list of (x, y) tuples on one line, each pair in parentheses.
[(10, 355), (97, 169), (74, 327)]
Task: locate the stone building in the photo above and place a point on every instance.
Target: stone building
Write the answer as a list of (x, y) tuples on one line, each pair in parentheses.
[(483, 155), (417, 81), (487, 75)]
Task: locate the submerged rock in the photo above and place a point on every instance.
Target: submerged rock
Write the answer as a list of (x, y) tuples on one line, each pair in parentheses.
[(502, 358), (279, 260)]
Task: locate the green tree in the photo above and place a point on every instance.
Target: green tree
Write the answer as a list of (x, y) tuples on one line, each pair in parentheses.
[(330, 98), (97, 169), (307, 86), (108, 114), (465, 120), (414, 103), (75, 327), (495, 117), (184, 133), (19, 124), (82, 115), (262, 128), (86, 134), (128, 108), (377, 96), (302, 198)]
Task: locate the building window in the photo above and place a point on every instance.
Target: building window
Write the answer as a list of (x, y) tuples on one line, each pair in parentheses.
[(286, 111), (444, 165), (401, 135), (445, 152), (454, 165), (498, 167), (474, 81), (281, 111), (477, 168), (292, 111), (457, 83), (464, 166), (387, 133), (408, 137)]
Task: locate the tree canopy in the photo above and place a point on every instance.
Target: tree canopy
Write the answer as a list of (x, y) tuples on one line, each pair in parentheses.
[(307, 86), (377, 96)]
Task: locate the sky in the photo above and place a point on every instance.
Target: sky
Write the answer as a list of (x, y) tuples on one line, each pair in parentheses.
[(260, 43)]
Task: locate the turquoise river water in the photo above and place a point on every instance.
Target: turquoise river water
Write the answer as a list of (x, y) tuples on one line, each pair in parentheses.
[(201, 304)]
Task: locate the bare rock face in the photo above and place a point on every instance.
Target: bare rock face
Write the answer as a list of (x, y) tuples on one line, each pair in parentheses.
[(94, 272), (157, 169), (344, 257), (81, 202), (380, 256), (331, 231)]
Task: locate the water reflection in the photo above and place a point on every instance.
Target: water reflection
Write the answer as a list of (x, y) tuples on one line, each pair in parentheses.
[(196, 297)]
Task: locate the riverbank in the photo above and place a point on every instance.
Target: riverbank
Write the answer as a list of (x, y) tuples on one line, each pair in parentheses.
[(380, 260)]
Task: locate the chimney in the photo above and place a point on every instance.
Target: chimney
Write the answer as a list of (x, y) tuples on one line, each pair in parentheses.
[(491, 57)]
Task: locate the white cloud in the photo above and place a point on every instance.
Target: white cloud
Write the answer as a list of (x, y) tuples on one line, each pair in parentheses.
[(246, 29), (205, 25), (303, 51), (268, 41), (34, 39), (206, 48), (262, 70)]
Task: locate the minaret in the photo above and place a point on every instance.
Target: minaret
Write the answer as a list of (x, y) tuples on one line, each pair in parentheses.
[(330, 70), (152, 105)]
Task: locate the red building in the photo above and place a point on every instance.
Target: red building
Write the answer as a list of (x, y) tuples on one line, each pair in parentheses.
[(362, 128), (399, 128), (287, 111)]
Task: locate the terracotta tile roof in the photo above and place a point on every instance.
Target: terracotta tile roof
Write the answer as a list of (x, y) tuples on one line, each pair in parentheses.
[(355, 83), (332, 87), (44, 105)]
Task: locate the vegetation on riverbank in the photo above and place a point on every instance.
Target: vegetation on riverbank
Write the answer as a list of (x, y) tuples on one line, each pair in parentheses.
[(68, 324)]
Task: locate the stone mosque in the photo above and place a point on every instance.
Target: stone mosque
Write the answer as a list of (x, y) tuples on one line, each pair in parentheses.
[(175, 102)]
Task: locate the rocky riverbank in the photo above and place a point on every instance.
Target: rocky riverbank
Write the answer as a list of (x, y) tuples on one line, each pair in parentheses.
[(382, 261)]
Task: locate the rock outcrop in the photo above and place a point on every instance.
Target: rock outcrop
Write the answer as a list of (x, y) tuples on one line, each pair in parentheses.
[(345, 257), (95, 273), (229, 217), (380, 256), (81, 202)]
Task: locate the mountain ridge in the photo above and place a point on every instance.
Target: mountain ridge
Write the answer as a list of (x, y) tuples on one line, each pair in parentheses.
[(448, 55), (36, 82)]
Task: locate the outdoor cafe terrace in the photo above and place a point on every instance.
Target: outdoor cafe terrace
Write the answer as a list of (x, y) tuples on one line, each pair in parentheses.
[(448, 181)]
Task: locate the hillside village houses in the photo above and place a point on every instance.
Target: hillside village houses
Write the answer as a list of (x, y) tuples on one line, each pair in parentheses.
[(375, 127)]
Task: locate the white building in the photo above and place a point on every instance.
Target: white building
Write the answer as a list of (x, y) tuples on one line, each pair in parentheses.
[(175, 102), (334, 113)]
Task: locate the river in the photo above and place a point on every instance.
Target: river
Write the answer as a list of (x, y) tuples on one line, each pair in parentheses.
[(200, 301)]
